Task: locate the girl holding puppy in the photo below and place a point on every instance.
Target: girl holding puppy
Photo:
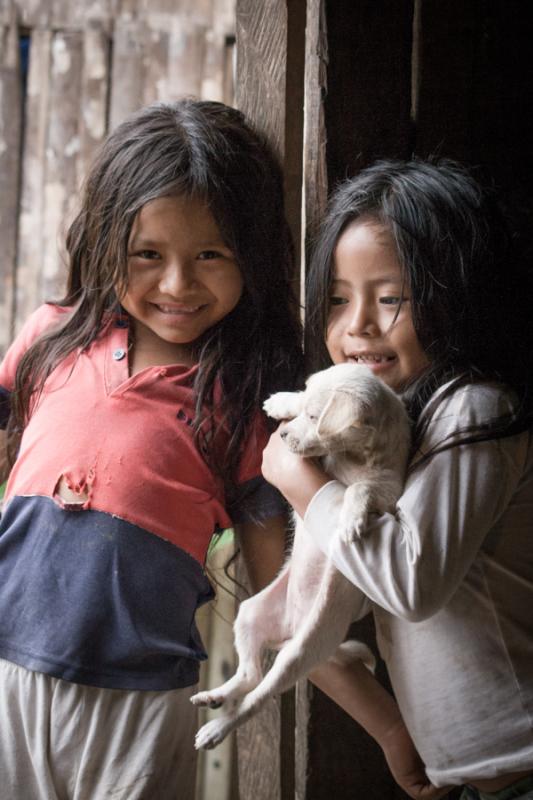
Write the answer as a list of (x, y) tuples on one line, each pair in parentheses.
[(414, 276), (138, 397)]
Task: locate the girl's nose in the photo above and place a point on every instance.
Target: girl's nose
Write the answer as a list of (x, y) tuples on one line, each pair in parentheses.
[(175, 278), (362, 322)]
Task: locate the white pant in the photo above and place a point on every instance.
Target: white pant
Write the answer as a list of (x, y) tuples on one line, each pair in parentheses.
[(66, 741)]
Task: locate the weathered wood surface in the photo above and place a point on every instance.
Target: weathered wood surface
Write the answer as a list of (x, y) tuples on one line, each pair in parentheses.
[(217, 779), (10, 129), (260, 770), (76, 14), (315, 139), (90, 64), (261, 30), (270, 76), (32, 225)]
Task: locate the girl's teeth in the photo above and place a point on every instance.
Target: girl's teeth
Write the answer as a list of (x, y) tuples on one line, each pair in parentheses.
[(167, 310), (371, 359)]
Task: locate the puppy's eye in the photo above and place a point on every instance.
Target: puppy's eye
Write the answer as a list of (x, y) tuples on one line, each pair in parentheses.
[(312, 417)]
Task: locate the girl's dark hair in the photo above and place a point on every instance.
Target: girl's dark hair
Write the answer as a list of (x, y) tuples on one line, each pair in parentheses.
[(469, 292), (207, 151)]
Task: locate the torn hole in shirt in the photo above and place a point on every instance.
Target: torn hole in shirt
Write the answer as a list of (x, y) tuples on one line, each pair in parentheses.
[(73, 492)]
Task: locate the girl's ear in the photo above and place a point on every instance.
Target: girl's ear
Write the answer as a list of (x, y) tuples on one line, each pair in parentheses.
[(342, 411)]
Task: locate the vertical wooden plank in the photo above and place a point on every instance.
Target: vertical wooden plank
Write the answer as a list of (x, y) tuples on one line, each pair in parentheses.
[(215, 772), (155, 58), (10, 130), (31, 224), (368, 102), (62, 149), (218, 73), (128, 69), (261, 31), (261, 63), (94, 95), (294, 122), (315, 189), (258, 740), (269, 90), (228, 78), (214, 65), (185, 61), (314, 145)]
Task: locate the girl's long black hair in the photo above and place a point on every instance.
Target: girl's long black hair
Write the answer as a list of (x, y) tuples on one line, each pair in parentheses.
[(205, 150), (469, 290)]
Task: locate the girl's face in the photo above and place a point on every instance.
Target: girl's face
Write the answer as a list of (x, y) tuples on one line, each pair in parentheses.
[(366, 292), (182, 277)]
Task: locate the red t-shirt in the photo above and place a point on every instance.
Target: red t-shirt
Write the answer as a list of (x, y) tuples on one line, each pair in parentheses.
[(126, 444)]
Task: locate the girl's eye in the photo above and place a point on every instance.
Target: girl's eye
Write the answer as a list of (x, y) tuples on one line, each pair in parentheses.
[(392, 301), (209, 255), (337, 301), (146, 255)]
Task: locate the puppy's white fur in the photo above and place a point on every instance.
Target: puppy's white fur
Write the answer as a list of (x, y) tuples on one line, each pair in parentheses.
[(359, 429)]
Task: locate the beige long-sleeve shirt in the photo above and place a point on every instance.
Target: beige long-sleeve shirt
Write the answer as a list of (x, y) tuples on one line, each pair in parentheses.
[(449, 577)]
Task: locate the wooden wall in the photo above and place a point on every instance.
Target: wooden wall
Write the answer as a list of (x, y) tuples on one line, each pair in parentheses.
[(381, 78), (91, 62)]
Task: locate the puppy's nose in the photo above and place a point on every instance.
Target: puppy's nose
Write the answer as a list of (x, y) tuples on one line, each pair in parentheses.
[(284, 433)]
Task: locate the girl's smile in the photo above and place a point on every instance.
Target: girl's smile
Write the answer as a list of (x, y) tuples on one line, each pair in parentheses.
[(182, 277), (370, 318)]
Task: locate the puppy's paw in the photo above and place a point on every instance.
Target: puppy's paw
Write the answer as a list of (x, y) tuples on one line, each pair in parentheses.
[(280, 405), (353, 519), (352, 527), (212, 733), (209, 699)]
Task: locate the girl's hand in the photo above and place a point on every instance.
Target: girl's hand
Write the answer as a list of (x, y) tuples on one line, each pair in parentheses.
[(297, 478), (406, 765)]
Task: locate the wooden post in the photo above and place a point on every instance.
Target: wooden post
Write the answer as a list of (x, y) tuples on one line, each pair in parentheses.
[(270, 91)]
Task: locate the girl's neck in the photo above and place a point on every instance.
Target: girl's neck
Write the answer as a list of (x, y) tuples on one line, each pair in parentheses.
[(149, 350)]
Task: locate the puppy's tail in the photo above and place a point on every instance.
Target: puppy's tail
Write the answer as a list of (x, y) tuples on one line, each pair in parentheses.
[(351, 651)]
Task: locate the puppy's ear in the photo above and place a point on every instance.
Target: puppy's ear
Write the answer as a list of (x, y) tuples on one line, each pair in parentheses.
[(342, 411)]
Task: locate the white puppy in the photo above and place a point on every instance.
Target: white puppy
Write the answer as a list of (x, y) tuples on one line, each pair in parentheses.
[(359, 429)]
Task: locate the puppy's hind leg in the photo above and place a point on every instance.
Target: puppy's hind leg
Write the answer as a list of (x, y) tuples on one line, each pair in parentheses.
[(259, 624), (316, 640)]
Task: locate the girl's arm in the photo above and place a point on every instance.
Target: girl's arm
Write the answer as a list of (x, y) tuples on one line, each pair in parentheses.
[(412, 562), (263, 549), (4, 469), (354, 688)]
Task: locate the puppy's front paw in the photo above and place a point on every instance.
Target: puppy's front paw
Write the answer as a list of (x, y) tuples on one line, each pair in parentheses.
[(353, 519), (280, 405), (352, 526)]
